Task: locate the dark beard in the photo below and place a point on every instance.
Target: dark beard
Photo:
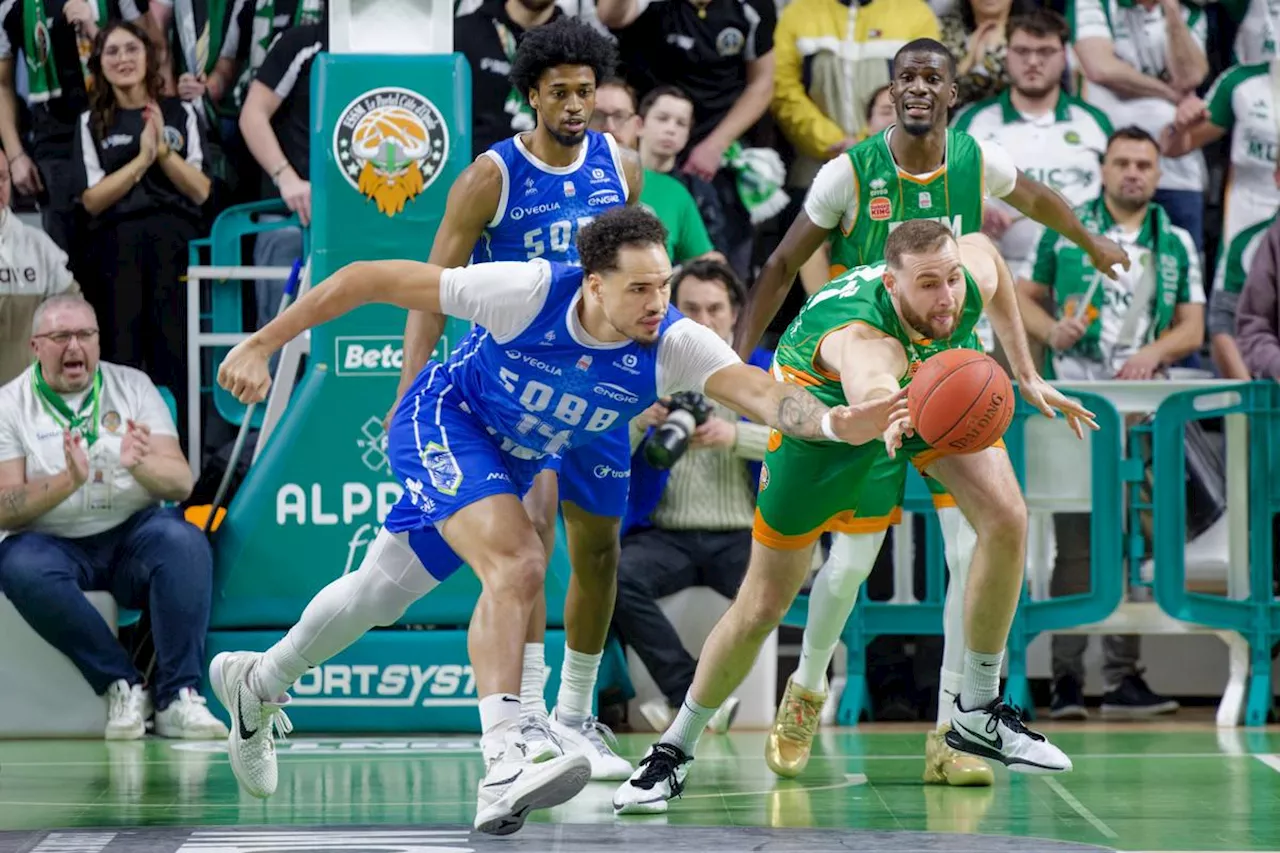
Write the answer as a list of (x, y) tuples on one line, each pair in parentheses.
[(568, 140), (915, 129)]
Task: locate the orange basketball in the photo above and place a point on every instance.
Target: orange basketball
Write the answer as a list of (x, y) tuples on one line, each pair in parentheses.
[(960, 401)]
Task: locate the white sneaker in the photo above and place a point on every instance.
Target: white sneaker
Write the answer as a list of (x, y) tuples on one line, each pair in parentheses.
[(659, 777), (514, 785), (187, 718), (126, 711), (996, 732), (538, 739), (594, 740), (251, 744), (724, 716)]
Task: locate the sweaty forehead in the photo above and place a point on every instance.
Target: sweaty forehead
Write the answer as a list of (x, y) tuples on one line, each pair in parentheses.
[(923, 60)]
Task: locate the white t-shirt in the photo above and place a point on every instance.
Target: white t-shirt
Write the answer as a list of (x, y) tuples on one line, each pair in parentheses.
[(111, 494), (505, 297), (833, 197), (1256, 37), (32, 268), (1139, 37), (1061, 149)]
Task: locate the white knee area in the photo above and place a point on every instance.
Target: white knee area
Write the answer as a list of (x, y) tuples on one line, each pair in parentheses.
[(389, 579), (850, 562)]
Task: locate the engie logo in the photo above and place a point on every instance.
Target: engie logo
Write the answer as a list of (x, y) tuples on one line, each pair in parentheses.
[(368, 355), (397, 685)]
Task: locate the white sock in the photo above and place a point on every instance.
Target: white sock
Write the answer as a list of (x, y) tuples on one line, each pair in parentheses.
[(831, 600), (949, 686), (389, 579), (691, 720), (277, 670), (575, 702), (981, 679), (533, 703), (498, 713)]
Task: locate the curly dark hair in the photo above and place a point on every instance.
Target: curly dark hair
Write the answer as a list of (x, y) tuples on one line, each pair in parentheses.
[(564, 41), (102, 100), (599, 241)]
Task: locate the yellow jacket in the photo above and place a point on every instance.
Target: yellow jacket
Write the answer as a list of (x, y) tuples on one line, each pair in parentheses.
[(867, 35)]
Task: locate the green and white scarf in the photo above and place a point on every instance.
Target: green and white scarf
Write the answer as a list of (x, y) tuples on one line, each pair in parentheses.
[(37, 47), (759, 175), (1076, 277), (200, 28), (83, 422), (517, 102), (264, 34)]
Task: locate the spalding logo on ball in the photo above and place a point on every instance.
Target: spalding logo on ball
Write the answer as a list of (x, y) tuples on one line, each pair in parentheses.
[(960, 400), (391, 144)]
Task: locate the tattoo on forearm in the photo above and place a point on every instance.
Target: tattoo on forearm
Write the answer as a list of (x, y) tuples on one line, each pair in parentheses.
[(799, 413)]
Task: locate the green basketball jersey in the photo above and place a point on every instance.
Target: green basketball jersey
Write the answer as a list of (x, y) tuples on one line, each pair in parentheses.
[(859, 296), (888, 196)]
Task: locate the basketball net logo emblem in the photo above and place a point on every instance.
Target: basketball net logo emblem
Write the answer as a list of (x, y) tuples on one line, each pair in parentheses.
[(391, 144)]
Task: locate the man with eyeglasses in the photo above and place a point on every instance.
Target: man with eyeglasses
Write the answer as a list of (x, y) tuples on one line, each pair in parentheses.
[(1053, 137), (88, 453), (32, 268)]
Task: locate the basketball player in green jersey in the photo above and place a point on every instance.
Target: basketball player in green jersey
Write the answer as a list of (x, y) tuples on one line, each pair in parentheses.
[(917, 169), (861, 338)]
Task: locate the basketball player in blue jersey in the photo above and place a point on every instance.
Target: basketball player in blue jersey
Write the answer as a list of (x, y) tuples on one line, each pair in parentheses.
[(524, 198), (473, 433)]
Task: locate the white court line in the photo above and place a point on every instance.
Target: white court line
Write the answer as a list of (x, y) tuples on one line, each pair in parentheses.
[(1272, 761), (1078, 807)]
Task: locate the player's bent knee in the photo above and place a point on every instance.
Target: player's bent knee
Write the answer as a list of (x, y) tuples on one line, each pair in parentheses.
[(518, 575), (1003, 520)]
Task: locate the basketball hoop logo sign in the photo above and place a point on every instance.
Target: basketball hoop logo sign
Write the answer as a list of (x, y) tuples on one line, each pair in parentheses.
[(391, 144)]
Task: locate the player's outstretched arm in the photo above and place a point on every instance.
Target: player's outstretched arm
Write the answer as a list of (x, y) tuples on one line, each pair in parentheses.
[(765, 299), (408, 284), (983, 261), (1045, 206), (793, 411)]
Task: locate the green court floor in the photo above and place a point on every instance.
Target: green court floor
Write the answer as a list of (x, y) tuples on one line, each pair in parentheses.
[(1177, 787)]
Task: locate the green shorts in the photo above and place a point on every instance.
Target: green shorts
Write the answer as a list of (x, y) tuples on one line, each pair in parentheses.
[(808, 488)]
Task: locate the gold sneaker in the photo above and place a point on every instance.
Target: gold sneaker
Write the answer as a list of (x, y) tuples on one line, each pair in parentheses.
[(791, 739), (946, 766)]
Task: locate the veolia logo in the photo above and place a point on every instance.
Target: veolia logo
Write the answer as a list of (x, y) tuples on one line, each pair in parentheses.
[(368, 355)]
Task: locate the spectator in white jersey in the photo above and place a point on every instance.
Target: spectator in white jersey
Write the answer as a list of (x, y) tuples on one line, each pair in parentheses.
[(1151, 316), (1142, 58), (32, 268), (1241, 102), (1053, 137), (88, 451)]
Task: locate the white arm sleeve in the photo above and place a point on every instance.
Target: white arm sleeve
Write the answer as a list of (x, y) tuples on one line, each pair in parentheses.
[(688, 354), (998, 170), (832, 193), (503, 297)]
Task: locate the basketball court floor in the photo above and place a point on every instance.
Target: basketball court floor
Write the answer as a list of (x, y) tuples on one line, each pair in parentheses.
[(1169, 787)]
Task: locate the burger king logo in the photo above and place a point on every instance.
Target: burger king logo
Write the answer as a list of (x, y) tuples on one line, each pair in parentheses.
[(391, 144), (880, 208)]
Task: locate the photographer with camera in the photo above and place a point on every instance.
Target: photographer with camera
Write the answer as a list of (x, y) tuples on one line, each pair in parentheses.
[(694, 474)]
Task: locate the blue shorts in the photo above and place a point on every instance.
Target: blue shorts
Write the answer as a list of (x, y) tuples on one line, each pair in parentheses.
[(445, 459), (597, 476)]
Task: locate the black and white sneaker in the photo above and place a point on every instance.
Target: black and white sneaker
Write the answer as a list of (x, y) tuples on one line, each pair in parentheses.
[(1133, 699), (997, 732), (514, 784), (659, 777), (1068, 700)]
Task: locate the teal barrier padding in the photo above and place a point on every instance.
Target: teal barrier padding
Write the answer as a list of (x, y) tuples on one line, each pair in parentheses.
[(1257, 617)]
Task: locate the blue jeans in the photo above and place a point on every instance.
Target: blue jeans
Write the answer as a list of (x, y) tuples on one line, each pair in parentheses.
[(154, 560), (278, 248)]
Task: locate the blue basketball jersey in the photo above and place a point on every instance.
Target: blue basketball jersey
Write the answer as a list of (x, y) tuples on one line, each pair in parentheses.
[(542, 207), (543, 392)]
